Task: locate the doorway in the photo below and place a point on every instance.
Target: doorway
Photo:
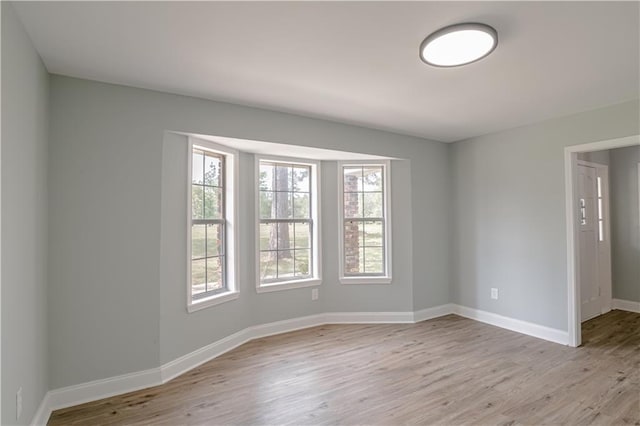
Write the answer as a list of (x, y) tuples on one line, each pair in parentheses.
[(574, 220)]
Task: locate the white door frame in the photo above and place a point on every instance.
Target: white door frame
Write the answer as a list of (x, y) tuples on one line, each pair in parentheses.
[(570, 182)]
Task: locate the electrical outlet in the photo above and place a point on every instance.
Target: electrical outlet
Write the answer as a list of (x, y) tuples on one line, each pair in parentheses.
[(494, 293), (314, 294), (19, 403)]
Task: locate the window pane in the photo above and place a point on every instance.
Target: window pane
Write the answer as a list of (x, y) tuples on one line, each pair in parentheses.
[(265, 236), (303, 235), (212, 170), (214, 240), (284, 206), (373, 260), (352, 264), (353, 234), (600, 209), (352, 204), (212, 202), (599, 186), (197, 202), (283, 178), (266, 205), (301, 206), (301, 179), (373, 235), (285, 264), (600, 230), (268, 265), (196, 167), (285, 236), (276, 236), (372, 204), (266, 177), (214, 273), (197, 241), (198, 276), (352, 179), (301, 263), (372, 178)]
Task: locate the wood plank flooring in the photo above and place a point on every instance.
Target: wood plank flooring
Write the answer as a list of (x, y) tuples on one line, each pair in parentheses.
[(449, 370)]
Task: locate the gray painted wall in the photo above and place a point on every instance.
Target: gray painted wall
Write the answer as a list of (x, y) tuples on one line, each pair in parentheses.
[(25, 92), (117, 216), (509, 213), (625, 226)]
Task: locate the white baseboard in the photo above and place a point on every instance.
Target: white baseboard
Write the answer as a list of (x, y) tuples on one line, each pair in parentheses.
[(435, 312), (626, 305), (368, 317), (187, 362), (524, 327), (104, 388), (43, 413), (93, 391), (98, 389), (285, 326)]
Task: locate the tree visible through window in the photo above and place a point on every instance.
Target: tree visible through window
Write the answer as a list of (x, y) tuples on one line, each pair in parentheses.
[(207, 224), (286, 227), (364, 220)]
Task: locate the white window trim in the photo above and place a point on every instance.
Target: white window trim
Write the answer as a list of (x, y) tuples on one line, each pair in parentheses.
[(316, 279), (383, 279), (231, 235)]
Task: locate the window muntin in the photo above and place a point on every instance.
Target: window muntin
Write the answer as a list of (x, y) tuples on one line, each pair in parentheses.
[(364, 222), (286, 223), (600, 210), (208, 224)]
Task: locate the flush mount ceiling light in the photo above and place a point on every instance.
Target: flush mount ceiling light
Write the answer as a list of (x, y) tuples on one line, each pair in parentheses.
[(458, 44)]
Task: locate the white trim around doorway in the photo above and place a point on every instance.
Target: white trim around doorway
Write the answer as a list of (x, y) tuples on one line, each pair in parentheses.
[(570, 164)]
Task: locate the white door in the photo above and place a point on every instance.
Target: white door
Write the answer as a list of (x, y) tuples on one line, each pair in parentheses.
[(590, 293)]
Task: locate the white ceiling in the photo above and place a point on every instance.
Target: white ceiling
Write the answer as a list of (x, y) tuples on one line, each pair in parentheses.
[(353, 62)]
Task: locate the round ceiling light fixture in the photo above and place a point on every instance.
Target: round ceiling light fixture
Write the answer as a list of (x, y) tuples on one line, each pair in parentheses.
[(458, 44)]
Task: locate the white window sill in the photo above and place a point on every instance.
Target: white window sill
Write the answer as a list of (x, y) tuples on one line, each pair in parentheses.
[(212, 301), (365, 280), (288, 285)]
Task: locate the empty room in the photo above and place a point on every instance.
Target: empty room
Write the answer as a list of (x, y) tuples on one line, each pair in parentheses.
[(312, 213)]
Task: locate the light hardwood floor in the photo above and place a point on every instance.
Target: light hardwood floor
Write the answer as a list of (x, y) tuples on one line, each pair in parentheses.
[(449, 370)]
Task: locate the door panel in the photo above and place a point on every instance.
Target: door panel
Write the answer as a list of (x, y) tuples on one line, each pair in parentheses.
[(590, 296)]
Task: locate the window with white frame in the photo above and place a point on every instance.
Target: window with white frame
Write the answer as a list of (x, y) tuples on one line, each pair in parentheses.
[(211, 230), (288, 236), (365, 231)]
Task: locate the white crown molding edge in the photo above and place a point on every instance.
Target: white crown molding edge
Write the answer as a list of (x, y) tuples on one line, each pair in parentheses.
[(98, 389), (626, 305)]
